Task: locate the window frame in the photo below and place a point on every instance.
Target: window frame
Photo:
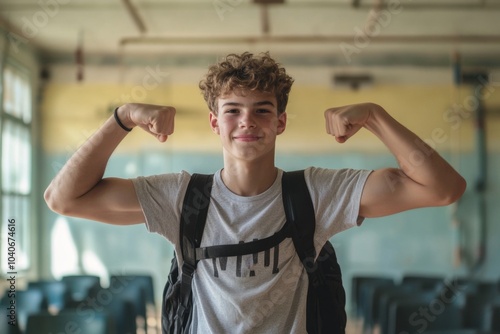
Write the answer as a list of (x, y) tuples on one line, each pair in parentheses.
[(24, 229)]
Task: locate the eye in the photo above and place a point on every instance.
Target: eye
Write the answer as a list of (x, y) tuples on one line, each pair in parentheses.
[(231, 111), (263, 111)]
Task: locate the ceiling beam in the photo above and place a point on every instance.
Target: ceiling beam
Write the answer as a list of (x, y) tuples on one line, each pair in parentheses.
[(34, 5), (466, 39), (136, 17)]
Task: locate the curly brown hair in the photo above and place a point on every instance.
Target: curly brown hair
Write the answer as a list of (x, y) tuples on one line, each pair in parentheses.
[(246, 72)]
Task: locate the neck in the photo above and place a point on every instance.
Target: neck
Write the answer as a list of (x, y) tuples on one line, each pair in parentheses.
[(249, 179)]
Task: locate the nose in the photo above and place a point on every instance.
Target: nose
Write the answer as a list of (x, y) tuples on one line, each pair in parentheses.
[(247, 120)]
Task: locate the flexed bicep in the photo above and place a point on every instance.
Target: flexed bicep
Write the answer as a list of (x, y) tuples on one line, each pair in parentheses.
[(79, 189), (388, 191), (111, 200)]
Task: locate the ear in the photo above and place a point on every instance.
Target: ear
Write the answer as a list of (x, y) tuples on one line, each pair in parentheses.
[(281, 123), (214, 123)]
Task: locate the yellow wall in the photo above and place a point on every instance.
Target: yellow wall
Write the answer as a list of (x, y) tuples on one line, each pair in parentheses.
[(71, 112)]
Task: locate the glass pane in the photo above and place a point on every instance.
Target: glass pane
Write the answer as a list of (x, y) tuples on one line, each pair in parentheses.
[(26, 101), (17, 94), (15, 224), (8, 94), (16, 158)]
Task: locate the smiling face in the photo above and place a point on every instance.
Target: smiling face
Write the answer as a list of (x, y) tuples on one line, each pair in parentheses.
[(248, 123)]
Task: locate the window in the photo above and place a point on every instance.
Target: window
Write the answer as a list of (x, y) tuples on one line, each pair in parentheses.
[(16, 189)]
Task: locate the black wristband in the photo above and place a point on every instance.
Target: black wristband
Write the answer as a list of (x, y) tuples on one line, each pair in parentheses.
[(120, 122)]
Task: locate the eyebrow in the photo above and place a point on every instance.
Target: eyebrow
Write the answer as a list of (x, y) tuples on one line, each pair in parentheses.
[(259, 103)]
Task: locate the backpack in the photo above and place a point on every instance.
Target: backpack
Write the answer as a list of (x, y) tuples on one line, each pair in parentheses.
[(326, 295)]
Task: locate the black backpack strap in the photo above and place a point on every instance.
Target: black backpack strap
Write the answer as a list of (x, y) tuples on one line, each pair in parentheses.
[(299, 212), (193, 216), (326, 296), (252, 247)]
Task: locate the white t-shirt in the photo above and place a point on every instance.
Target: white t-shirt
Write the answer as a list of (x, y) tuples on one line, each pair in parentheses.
[(257, 293)]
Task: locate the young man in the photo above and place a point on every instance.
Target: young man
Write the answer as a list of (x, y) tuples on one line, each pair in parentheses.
[(247, 97)]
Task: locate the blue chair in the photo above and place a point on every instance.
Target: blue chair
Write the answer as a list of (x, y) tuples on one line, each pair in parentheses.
[(119, 306), (482, 285), (133, 281), (461, 331), (79, 286), (459, 287), (476, 305), (423, 281), (123, 311), (55, 292), (416, 316), (492, 317), (145, 283), (8, 325), (27, 302), (130, 289), (396, 294), (366, 299), (70, 322), (357, 281), (371, 314)]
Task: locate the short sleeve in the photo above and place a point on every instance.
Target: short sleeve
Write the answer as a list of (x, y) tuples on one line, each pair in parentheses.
[(336, 196), (161, 197)]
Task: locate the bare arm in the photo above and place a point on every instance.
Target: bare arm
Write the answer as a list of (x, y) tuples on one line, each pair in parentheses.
[(79, 189), (423, 178)]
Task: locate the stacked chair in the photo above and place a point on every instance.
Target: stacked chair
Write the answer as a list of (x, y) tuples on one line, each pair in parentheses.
[(69, 322), (27, 302), (79, 304), (55, 293), (426, 304), (140, 289)]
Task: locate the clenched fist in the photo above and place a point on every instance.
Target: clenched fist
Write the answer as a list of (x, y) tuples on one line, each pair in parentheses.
[(343, 122), (157, 120)]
